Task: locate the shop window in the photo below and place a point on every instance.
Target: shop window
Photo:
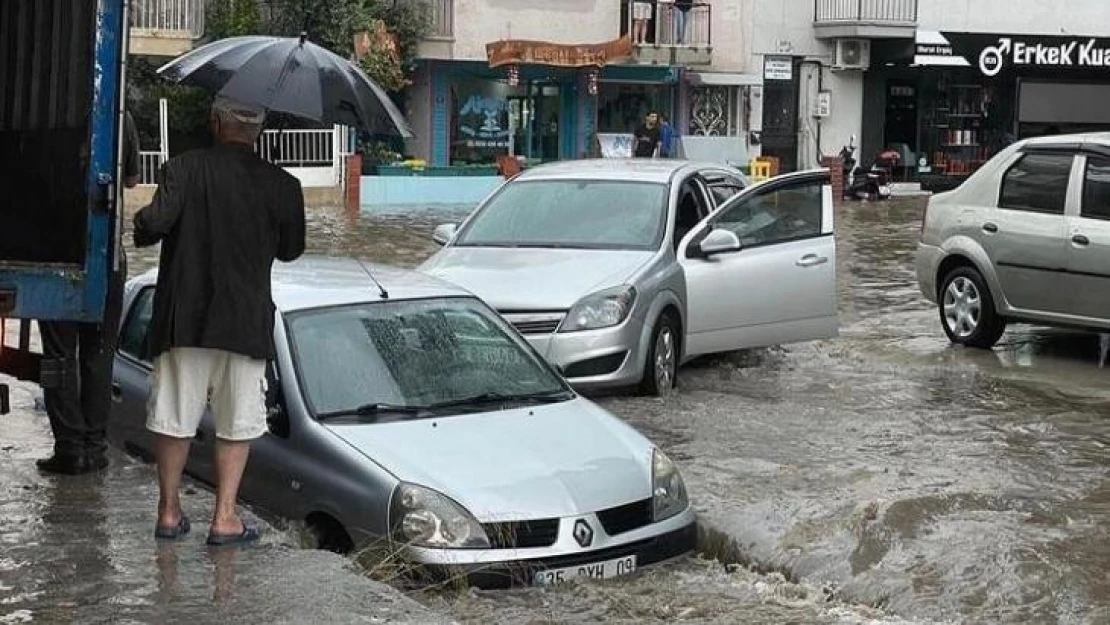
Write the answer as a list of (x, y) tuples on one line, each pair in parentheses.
[(717, 111), (1037, 183), (480, 121), (621, 107), (1096, 188)]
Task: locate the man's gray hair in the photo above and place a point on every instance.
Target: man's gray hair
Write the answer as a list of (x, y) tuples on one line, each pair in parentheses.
[(245, 114)]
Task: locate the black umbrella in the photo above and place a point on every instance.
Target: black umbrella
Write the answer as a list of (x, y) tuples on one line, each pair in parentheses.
[(290, 75)]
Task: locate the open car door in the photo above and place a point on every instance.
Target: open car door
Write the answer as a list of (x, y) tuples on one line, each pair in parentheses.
[(761, 269)]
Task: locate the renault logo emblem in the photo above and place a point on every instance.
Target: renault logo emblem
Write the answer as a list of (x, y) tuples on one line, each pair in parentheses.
[(583, 533)]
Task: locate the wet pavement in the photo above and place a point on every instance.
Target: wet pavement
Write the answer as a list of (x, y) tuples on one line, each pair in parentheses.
[(80, 550), (881, 477)]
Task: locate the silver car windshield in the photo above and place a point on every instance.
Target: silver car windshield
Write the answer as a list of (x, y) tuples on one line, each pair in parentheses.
[(586, 214), (413, 354)]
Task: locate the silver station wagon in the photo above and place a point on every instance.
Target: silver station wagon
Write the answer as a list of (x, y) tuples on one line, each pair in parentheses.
[(1024, 239), (617, 271), (405, 414)]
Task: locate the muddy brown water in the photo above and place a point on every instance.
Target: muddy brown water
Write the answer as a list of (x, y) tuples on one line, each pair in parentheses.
[(884, 476)]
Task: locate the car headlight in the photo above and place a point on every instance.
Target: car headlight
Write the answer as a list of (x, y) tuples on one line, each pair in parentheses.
[(668, 491), (603, 309), (423, 517)]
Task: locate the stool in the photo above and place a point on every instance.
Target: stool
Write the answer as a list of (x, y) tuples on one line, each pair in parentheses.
[(760, 170)]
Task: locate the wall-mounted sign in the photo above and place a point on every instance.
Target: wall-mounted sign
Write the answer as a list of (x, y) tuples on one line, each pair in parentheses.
[(778, 68), (522, 52), (992, 54)]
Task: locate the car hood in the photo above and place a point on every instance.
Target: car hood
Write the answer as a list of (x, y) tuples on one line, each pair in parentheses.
[(530, 463), (507, 278)]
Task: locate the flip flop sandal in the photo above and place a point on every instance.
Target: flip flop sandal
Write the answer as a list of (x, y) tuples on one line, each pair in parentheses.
[(175, 532), (249, 534)]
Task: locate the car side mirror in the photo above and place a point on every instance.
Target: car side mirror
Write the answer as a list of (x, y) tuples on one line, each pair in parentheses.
[(719, 241), (444, 233)]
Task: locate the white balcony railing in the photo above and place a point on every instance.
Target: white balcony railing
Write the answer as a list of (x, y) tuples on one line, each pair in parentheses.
[(181, 17), (865, 11)]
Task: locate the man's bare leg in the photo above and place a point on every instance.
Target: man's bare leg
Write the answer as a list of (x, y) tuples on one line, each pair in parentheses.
[(231, 459), (171, 454)]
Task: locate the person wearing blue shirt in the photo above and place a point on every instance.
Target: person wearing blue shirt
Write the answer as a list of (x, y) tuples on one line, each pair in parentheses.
[(667, 136)]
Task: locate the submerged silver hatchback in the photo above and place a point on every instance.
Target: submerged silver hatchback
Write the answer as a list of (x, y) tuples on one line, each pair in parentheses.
[(406, 415), (617, 271), (1024, 239)]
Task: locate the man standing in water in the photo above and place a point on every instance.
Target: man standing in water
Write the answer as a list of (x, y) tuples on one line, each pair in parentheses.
[(223, 215), (646, 140), (77, 357)]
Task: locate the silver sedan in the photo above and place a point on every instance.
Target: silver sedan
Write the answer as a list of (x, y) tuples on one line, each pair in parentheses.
[(406, 415), (617, 271)]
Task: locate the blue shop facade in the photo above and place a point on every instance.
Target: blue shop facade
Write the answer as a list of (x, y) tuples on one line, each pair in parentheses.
[(466, 113)]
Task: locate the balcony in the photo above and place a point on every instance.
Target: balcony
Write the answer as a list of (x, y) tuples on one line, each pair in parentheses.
[(867, 19), (670, 35), (439, 42), (165, 27)]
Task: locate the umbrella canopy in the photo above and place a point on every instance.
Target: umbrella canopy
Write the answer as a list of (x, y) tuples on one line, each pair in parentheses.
[(290, 75)]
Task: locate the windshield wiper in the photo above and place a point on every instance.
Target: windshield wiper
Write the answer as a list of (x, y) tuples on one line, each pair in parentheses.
[(498, 398), (371, 410)]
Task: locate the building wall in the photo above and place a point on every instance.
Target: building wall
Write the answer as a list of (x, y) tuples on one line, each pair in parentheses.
[(1080, 17), (780, 27), (478, 22), (419, 113)]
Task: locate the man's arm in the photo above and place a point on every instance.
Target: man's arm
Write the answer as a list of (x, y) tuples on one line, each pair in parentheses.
[(157, 220), (291, 232), (131, 159)]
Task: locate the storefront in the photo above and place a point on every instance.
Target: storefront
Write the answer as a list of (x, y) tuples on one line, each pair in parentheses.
[(540, 102), (951, 101)]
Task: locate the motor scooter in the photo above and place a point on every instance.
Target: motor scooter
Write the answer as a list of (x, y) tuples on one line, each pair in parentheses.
[(872, 183)]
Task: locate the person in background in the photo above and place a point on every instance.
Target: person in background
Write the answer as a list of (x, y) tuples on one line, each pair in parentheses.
[(222, 215), (641, 15), (77, 356), (681, 12), (646, 140), (667, 138)]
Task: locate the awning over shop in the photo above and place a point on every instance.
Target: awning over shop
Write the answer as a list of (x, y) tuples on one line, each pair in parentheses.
[(724, 79), (525, 52)]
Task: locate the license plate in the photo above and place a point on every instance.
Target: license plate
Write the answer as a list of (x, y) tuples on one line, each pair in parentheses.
[(605, 569)]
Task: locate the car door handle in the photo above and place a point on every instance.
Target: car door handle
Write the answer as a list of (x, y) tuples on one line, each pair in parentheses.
[(117, 392), (811, 260), (990, 227), (1080, 239)]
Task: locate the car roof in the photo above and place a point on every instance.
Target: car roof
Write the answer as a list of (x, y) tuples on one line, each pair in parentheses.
[(658, 170), (317, 281), (1102, 138)]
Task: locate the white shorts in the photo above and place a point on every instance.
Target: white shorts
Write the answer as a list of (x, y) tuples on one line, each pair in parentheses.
[(641, 10), (185, 380)]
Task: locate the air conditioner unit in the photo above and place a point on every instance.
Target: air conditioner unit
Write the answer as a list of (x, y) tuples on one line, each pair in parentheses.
[(852, 54)]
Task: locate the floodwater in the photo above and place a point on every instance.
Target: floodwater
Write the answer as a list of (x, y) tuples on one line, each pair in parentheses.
[(880, 477)]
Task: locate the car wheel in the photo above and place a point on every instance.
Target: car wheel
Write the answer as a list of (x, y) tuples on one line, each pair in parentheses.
[(967, 310), (661, 365)]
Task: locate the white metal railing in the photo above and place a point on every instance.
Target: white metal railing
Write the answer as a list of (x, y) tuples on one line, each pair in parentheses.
[(317, 156), (669, 25), (442, 17), (897, 11), (185, 16), (151, 161)]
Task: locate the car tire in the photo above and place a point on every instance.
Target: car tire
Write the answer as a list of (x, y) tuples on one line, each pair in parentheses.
[(967, 311), (661, 365)]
